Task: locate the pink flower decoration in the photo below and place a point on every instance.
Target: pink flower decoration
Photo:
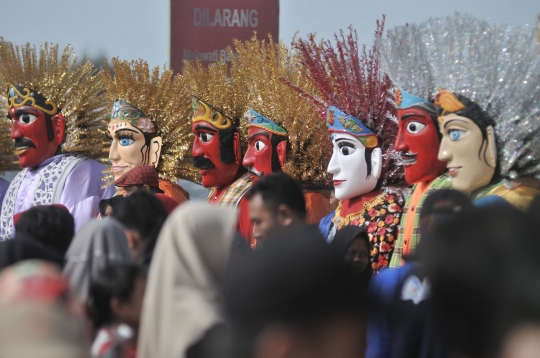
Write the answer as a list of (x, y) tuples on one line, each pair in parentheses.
[(146, 125)]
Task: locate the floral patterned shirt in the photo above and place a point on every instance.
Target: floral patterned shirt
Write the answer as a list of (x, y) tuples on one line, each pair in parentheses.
[(380, 217)]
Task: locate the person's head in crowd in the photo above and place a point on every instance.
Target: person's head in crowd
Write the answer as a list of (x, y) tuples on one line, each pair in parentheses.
[(352, 243), (276, 203), (296, 298), (333, 200), (38, 315), (106, 206), (182, 300), (97, 245), (142, 177), (476, 262), (25, 247), (115, 299), (51, 225), (142, 214)]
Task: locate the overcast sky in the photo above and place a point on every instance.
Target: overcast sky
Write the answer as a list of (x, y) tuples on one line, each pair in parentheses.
[(135, 29)]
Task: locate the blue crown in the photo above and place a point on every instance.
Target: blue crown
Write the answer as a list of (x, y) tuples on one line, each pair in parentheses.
[(338, 121), (405, 100), (255, 119)]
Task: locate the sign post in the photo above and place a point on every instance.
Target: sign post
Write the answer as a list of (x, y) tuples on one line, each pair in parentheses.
[(202, 29)]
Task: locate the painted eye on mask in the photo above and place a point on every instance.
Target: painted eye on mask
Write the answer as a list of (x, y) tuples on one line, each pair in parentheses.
[(456, 134), (259, 145), (346, 148), (205, 137), (415, 127), (27, 118), (124, 142)]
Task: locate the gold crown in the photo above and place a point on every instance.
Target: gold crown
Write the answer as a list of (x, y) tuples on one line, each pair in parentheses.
[(219, 85), (56, 81), (205, 112), (448, 101), (17, 99)]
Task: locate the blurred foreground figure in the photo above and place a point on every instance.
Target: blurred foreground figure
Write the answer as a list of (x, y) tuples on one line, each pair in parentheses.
[(115, 304), (50, 225), (38, 317), (276, 203), (182, 314), (402, 323), (142, 214), (484, 273), (97, 245), (295, 298)]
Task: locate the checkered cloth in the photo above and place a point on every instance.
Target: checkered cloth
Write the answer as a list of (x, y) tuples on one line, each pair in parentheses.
[(236, 191), (140, 175), (442, 182)]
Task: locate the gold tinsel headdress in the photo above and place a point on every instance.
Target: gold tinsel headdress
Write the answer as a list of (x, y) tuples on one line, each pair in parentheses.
[(8, 159), (218, 90), (63, 86), (277, 108), (154, 101)]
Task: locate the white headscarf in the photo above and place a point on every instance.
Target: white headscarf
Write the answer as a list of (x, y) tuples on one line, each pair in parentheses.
[(182, 300), (97, 245)]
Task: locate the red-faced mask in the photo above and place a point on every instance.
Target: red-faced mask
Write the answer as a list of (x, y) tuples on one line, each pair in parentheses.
[(418, 141), (29, 131), (258, 157), (206, 155)]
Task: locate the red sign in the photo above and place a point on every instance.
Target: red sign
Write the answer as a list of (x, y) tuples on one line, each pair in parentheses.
[(202, 29)]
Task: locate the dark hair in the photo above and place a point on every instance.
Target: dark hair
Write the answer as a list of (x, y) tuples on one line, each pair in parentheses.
[(308, 286), (277, 189), (116, 281), (153, 189), (367, 155), (52, 226), (112, 202), (475, 261), (226, 145), (144, 213), (145, 150), (276, 165)]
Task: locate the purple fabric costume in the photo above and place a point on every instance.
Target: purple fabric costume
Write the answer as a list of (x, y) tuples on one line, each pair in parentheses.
[(82, 190)]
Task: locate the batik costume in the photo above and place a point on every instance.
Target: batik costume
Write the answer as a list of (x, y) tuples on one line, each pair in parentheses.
[(56, 107), (283, 131), (496, 68), (220, 136), (353, 100), (148, 123)]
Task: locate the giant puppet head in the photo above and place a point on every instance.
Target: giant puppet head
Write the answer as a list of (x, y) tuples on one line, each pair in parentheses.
[(216, 147), (218, 104), (468, 143), (418, 138), (267, 146), (283, 131), (53, 104), (356, 161), (147, 123), (489, 114), (354, 102)]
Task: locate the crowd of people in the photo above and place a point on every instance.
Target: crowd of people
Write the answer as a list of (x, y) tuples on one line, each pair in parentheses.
[(185, 284), (363, 203)]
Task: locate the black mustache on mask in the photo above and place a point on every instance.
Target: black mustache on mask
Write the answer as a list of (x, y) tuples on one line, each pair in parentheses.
[(203, 163), (24, 142)]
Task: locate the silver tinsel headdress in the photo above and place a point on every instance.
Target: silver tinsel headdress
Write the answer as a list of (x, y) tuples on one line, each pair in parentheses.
[(403, 58), (498, 67)]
